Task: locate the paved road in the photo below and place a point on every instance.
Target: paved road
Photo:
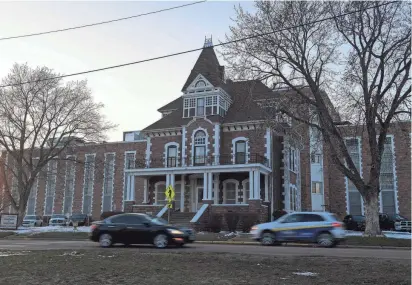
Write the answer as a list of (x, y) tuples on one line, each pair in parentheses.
[(197, 247)]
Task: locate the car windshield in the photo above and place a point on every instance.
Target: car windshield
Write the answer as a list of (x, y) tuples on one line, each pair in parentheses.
[(334, 217), (399, 217), (30, 217), (359, 218), (58, 217)]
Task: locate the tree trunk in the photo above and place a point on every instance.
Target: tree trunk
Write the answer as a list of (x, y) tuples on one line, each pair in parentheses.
[(21, 211), (371, 201)]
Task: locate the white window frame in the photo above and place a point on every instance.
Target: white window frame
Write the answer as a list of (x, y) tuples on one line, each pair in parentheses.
[(166, 153), (320, 187), (395, 186), (113, 171), (247, 153), (227, 181), (316, 158), (128, 180), (65, 181), (92, 182), (193, 144), (35, 187)]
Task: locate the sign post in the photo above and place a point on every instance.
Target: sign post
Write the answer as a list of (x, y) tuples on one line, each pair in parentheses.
[(170, 195)]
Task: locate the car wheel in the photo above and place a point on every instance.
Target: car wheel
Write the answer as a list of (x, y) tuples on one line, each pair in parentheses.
[(325, 240), (161, 241), (268, 238), (105, 240)]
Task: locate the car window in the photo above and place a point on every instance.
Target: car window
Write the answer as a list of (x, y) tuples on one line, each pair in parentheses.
[(127, 219), (358, 218), (294, 218), (312, 218)]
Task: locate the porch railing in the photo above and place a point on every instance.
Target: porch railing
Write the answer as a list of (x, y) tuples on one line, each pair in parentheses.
[(223, 159)]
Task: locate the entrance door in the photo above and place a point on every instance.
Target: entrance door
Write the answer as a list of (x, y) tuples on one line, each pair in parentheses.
[(197, 196), (317, 196)]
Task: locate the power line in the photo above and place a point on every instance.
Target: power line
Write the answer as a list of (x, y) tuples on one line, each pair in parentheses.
[(198, 49), (102, 23)]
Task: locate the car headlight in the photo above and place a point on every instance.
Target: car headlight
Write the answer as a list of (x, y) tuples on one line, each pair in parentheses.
[(175, 232), (254, 228)]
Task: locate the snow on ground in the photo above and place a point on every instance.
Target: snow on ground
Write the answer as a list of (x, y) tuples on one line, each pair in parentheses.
[(4, 254), (305, 273), (34, 230), (388, 234)]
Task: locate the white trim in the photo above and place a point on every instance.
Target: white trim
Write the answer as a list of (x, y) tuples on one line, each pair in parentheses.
[(104, 179), (165, 153), (128, 194), (47, 182), (84, 182), (234, 141), (216, 143), (74, 184), (192, 143), (236, 182), (145, 190), (199, 213), (162, 212), (268, 145), (184, 146), (148, 152), (359, 139), (395, 178), (156, 192), (36, 182), (200, 169), (244, 191)]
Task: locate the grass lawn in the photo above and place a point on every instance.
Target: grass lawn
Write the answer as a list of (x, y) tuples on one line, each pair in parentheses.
[(130, 266)]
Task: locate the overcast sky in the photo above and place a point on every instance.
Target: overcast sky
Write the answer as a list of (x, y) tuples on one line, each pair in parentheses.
[(131, 94)]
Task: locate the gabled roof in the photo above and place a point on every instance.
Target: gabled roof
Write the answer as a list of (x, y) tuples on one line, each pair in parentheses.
[(175, 104), (208, 65)]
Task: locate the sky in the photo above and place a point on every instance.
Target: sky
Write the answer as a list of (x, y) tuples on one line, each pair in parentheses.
[(132, 94)]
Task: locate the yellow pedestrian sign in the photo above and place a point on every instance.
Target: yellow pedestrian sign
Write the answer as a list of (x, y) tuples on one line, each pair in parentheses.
[(170, 193)]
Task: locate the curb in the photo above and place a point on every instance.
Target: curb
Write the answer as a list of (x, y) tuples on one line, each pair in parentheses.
[(303, 245)]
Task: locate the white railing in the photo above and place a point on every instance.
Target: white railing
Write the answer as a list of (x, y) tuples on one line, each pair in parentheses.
[(162, 212), (199, 213)]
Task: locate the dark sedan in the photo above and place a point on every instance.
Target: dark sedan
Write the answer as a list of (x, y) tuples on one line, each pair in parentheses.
[(354, 222), (80, 219), (133, 228)]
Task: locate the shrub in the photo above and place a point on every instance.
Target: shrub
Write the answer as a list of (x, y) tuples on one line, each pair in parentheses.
[(249, 220), (232, 220), (215, 223), (107, 214)]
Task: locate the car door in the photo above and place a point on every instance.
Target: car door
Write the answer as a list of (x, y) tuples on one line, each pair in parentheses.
[(117, 228), (311, 225), (137, 230), (289, 227)]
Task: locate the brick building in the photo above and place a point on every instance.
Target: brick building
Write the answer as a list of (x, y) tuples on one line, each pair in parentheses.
[(214, 146)]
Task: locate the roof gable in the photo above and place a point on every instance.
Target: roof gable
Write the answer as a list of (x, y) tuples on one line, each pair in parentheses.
[(199, 83)]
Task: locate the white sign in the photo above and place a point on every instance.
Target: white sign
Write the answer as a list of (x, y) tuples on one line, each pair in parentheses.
[(8, 221)]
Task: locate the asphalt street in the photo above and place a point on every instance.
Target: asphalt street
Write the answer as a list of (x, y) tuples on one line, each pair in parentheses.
[(198, 247)]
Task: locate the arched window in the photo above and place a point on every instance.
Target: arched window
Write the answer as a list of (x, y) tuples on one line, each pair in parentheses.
[(172, 156), (240, 152), (199, 154)]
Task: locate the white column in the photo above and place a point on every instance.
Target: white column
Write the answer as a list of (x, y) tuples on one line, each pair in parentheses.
[(217, 143), (128, 187), (172, 180), (216, 188), (145, 191), (182, 193), (256, 187), (251, 186), (132, 182), (210, 186), (183, 147), (266, 188), (167, 180), (205, 178)]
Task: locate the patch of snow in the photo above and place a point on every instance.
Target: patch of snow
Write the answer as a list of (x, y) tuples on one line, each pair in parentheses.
[(34, 230), (73, 253), (3, 254), (388, 234), (232, 234), (305, 273)]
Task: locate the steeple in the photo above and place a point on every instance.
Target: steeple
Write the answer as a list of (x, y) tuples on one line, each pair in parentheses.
[(208, 42), (208, 65)]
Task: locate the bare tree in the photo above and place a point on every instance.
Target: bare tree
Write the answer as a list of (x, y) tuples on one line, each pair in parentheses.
[(362, 59), (39, 122)]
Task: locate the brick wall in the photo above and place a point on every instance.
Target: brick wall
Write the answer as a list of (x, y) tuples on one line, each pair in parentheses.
[(256, 141), (158, 148), (145, 209)]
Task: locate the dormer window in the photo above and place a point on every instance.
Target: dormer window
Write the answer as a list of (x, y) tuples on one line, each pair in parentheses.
[(202, 106)]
